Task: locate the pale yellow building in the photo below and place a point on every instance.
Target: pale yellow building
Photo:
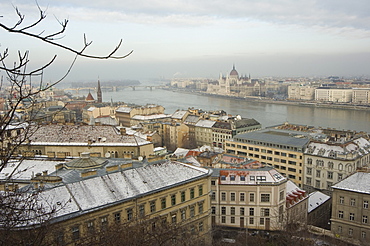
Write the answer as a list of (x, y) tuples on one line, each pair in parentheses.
[(297, 92), (162, 193)]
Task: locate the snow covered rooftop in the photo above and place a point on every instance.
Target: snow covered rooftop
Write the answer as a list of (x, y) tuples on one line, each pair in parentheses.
[(360, 146), (73, 135), (179, 114), (151, 117), (205, 123), (357, 182), (90, 194), (124, 109), (315, 199)]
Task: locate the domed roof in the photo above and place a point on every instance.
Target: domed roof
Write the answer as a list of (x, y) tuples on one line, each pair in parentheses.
[(234, 72), (86, 162)]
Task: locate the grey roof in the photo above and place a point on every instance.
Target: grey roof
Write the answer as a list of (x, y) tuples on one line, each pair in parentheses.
[(274, 136), (205, 123), (179, 114), (357, 182), (90, 194), (315, 199), (191, 119)]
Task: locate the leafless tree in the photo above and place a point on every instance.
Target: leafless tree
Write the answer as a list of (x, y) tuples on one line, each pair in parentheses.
[(20, 87)]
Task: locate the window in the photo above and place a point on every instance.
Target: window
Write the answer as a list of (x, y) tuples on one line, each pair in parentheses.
[(129, 213), (223, 196), (191, 193), (242, 211), (117, 217), (281, 195), (251, 220), (213, 210), (232, 210), (265, 212), (232, 196), (363, 234), (213, 196), (351, 216), (192, 211), (141, 210), (232, 220), (242, 197), (223, 177), (341, 200), (366, 204), (309, 170), (340, 176), (318, 174), (173, 199), (309, 181), (182, 196), (251, 197), (330, 175), (252, 178), (174, 219), (251, 211), (200, 190), (200, 226), (261, 178), (223, 219), (242, 178), (262, 221), (104, 222), (353, 202), (364, 219), (90, 227), (213, 182), (76, 232), (330, 165), (340, 166), (339, 229), (317, 184), (223, 210), (329, 185), (183, 214), (152, 206), (163, 203), (200, 207), (265, 197), (232, 178), (340, 214), (350, 231)]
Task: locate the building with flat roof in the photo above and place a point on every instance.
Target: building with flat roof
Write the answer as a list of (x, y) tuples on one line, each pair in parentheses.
[(281, 149)]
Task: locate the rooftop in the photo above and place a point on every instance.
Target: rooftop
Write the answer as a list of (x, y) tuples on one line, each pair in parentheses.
[(357, 182), (315, 199)]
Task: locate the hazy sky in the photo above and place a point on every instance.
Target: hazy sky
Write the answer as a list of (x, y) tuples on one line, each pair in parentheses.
[(200, 38)]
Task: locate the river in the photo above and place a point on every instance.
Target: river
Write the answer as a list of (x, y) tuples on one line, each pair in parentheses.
[(268, 114)]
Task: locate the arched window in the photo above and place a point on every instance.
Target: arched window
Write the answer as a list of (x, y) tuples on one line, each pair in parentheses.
[(309, 161), (340, 166)]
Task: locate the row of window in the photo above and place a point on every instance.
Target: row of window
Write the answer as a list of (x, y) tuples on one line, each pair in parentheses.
[(262, 221), (242, 178), (318, 183), (351, 217), (321, 163), (352, 202), (264, 212), (264, 197), (350, 232), (264, 144)]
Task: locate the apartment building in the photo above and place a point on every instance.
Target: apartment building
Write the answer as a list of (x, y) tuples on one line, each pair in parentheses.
[(281, 149), (350, 208), (252, 197), (203, 132), (330, 161), (297, 92), (326, 94), (169, 192), (361, 95)]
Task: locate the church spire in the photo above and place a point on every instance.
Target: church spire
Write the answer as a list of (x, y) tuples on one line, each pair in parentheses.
[(99, 93)]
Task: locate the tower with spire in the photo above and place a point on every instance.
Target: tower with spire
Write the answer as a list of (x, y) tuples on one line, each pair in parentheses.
[(99, 93)]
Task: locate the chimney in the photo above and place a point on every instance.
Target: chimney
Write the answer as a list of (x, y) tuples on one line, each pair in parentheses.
[(45, 173), (122, 131)]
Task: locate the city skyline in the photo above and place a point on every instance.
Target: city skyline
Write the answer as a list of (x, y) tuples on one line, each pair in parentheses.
[(200, 39)]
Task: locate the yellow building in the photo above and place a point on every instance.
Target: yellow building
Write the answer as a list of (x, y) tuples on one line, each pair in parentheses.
[(173, 192), (281, 149)]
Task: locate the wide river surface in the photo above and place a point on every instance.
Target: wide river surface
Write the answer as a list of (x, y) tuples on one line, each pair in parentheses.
[(268, 114)]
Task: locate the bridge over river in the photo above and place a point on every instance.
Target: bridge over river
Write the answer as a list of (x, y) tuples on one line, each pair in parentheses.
[(76, 90)]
